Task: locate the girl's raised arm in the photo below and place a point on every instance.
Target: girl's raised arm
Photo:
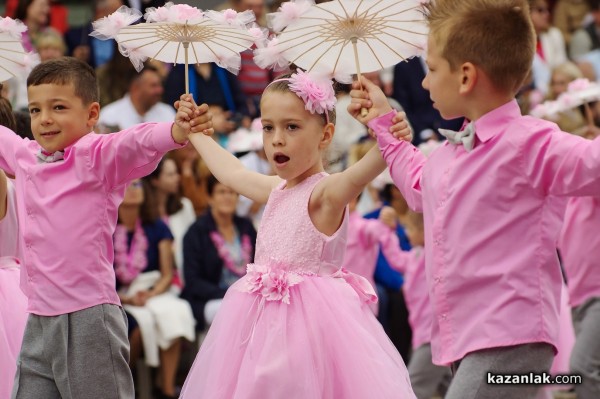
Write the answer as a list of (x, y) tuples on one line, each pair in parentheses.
[(227, 168)]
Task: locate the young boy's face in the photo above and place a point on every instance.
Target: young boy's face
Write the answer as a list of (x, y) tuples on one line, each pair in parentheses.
[(443, 83), (58, 116)]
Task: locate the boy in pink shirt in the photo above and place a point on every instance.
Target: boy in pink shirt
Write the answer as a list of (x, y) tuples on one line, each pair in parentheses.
[(69, 184), (425, 377), (486, 195)]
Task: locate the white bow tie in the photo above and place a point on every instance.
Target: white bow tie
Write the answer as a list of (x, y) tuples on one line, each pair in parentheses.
[(45, 157), (466, 137)]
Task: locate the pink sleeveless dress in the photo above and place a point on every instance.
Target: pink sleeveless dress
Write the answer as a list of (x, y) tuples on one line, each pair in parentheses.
[(12, 300), (297, 326)]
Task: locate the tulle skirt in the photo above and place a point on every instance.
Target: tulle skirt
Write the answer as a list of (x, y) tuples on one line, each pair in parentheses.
[(12, 324), (324, 344)]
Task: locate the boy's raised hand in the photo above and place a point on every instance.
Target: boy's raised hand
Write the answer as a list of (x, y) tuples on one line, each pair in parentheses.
[(370, 97), (190, 118)]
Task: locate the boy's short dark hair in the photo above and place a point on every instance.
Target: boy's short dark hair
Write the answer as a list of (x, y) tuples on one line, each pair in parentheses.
[(64, 71), (495, 35)]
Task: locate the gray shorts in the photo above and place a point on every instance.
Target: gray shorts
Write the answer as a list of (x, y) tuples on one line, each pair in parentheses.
[(77, 355), (470, 379), (585, 357)]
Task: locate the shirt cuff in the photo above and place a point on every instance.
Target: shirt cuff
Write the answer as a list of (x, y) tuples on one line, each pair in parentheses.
[(163, 139), (381, 126)]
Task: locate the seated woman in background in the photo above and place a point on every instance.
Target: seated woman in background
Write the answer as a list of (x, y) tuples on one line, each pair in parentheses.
[(216, 250), (144, 270), (175, 210)]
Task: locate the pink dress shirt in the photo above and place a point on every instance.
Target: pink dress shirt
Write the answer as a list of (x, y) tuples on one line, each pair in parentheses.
[(490, 226), (412, 265), (67, 212), (579, 246)]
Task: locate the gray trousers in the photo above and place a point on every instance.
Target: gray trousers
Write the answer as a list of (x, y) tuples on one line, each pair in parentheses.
[(425, 377), (470, 379), (585, 357), (79, 355)]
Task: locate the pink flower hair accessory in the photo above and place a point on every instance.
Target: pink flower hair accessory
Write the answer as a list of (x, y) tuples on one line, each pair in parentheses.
[(317, 93), (109, 26), (12, 27)]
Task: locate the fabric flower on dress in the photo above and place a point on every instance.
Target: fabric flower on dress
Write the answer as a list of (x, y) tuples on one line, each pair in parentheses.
[(318, 94), (109, 26), (12, 27), (272, 284), (289, 12)]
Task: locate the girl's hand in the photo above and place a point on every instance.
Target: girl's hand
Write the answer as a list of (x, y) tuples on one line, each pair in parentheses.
[(401, 129)]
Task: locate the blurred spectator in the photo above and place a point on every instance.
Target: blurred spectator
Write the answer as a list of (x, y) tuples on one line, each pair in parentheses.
[(89, 49), (50, 45), (216, 87), (143, 4), (141, 103), (587, 38), (550, 50), (35, 14), (193, 174), (572, 120), (59, 14), (144, 270), (114, 77), (164, 184), (216, 250), (414, 99), (568, 16)]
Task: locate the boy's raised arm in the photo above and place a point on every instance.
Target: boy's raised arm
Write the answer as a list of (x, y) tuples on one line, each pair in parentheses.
[(9, 143), (405, 161)]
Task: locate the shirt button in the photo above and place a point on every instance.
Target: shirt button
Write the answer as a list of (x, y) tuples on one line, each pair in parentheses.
[(29, 177), (444, 316), (438, 279)]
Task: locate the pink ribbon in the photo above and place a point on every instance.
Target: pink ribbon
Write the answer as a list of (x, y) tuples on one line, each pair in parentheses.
[(361, 285)]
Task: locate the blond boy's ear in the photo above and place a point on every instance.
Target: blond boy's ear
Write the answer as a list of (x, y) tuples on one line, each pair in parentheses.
[(468, 76), (93, 114)]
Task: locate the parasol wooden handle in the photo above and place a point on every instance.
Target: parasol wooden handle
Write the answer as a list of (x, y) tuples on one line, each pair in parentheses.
[(363, 111)]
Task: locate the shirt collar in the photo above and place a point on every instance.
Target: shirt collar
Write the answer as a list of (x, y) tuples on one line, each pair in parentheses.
[(494, 122)]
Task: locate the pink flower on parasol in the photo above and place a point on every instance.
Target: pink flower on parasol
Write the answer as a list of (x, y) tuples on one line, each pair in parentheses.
[(108, 27)]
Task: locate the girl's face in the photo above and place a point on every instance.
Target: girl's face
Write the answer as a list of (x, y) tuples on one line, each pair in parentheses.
[(293, 138), (168, 179), (38, 12), (223, 200), (134, 194)]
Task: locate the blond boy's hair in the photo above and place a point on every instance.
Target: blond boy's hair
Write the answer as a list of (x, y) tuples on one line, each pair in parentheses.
[(495, 35)]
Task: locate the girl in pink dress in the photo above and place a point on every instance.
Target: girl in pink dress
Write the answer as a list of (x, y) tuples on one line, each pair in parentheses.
[(12, 300), (297, 325)]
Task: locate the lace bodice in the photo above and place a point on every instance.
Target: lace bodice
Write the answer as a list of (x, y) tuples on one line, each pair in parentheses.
[(287, 238)]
